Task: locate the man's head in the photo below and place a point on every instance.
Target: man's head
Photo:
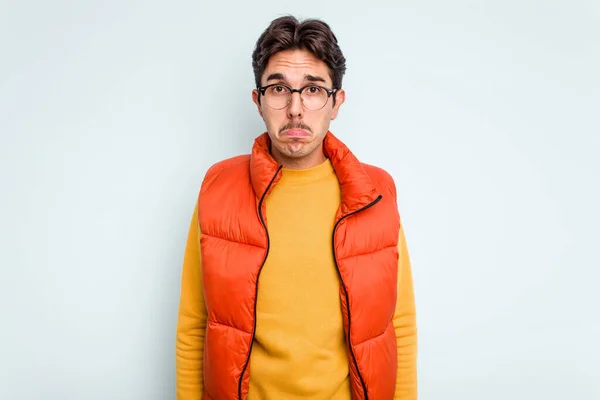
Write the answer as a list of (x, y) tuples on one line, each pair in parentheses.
[(295, 55)]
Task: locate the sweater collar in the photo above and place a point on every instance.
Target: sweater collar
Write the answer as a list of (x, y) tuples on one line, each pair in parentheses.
[(301, 177), (357, 188)]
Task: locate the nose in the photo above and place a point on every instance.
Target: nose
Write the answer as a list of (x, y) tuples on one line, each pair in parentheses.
[(295, 107)]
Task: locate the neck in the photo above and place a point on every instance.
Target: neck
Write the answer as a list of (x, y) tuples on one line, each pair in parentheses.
[(308, 161)]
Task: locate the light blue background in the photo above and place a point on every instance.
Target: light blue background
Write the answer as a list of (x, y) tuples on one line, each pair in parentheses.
[(485, 112)]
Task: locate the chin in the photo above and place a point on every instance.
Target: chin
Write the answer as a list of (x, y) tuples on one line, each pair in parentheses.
[(293, 151)]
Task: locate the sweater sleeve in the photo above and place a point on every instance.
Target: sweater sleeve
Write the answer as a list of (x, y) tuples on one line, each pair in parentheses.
[(405, 327), (191, 324)]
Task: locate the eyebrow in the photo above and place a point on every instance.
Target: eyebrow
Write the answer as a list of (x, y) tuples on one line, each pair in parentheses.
[(313, 78), (276, 77), (280, 77)]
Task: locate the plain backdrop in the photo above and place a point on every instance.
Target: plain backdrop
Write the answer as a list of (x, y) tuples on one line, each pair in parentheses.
[(486, 113)]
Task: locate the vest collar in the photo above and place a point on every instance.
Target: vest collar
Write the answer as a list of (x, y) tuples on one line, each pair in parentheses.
[(356, 185)]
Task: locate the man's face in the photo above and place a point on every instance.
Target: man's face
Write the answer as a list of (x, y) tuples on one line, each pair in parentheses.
[(297, 133)]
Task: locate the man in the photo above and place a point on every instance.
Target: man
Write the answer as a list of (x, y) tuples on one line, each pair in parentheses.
[(296, 280)]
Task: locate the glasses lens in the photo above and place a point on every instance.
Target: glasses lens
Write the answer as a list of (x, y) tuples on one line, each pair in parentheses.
[(314, 97), (277, 96)]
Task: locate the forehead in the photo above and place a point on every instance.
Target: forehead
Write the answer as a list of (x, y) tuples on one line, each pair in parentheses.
[(295, 65)]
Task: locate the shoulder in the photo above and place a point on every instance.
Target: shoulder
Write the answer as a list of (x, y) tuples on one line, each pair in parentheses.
[(235, 168), (381, 178)]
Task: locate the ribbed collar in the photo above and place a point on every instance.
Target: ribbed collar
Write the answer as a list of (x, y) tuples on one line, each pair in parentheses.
[(299, 177)]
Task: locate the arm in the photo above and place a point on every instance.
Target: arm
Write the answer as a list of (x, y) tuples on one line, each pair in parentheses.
[(406, 327), (191, 324)]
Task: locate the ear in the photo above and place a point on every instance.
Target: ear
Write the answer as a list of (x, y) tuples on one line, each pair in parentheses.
[(340, 97), (255, 99)]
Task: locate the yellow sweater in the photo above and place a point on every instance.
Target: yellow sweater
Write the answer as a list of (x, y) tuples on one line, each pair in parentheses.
[(299, 350)]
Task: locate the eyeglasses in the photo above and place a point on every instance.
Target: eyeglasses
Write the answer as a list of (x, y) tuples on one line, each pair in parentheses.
[(279, 95)]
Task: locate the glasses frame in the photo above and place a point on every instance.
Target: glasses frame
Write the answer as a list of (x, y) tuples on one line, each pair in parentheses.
[(330, 92)]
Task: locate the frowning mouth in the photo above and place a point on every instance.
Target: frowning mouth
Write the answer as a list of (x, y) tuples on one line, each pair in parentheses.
[(295, 133), (297, 128)]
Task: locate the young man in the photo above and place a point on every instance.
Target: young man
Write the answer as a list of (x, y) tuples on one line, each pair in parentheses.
[(296, 279)]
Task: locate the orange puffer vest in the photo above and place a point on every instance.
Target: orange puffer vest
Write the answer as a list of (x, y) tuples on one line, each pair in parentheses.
[(235, 245)]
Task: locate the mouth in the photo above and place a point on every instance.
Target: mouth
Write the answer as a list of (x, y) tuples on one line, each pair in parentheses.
[(295, 133)]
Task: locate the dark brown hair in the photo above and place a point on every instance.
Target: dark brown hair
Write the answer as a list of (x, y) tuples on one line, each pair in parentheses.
[(287, 33)]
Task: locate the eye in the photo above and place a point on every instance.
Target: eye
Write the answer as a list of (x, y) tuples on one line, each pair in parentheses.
[(278, 89), (313, 91)]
